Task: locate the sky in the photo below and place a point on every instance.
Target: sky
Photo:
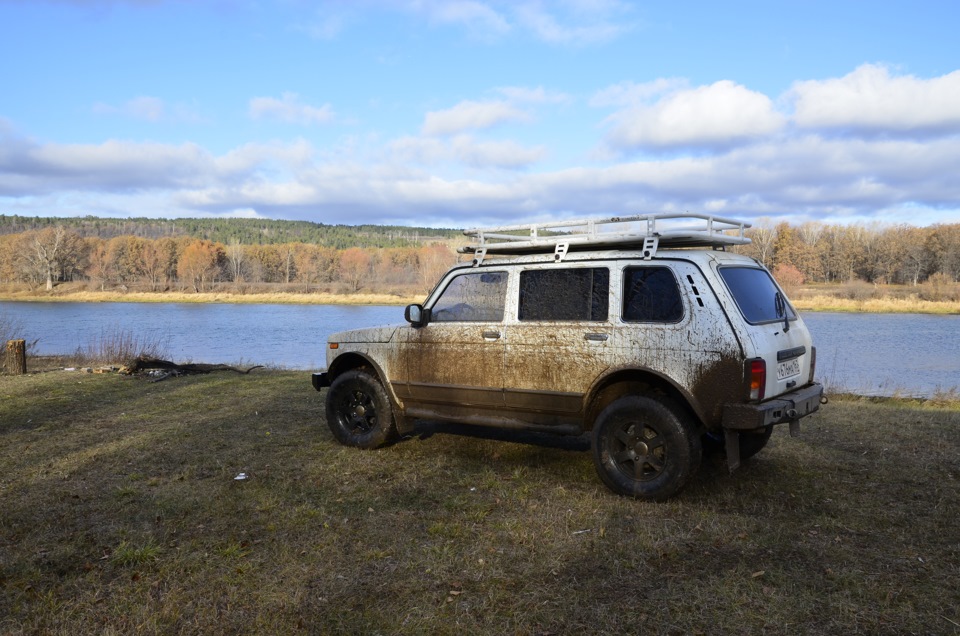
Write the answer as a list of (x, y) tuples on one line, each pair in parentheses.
[(465, 113)]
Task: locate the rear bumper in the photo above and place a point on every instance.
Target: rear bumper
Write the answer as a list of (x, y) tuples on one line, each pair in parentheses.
[(320, 381), (786, 408)]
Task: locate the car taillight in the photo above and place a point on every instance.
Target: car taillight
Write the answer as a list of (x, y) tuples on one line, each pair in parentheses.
[(758, 379)]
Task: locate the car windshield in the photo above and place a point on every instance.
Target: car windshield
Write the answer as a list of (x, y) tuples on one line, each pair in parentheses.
[(756, 294)]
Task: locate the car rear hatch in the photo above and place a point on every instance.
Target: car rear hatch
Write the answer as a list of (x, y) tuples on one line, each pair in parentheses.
[(783, 356)]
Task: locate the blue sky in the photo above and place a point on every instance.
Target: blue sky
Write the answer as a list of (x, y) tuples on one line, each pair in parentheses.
[(472, 112)]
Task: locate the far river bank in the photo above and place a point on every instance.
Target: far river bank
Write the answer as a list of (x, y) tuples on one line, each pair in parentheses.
[(803, 301)]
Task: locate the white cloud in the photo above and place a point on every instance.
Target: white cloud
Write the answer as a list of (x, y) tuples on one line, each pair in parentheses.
[(290, 109), (561, 22), (538, 95), (870, 99), (634, 94), (475, 15), (576, 23), (716, 115), (466, 150), (471, 115), (149, 109), (759, 165)]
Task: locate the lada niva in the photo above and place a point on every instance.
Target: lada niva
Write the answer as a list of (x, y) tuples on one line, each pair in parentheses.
[(645, 331)]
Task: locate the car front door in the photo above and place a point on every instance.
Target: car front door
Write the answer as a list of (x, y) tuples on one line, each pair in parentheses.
[(455, 362)]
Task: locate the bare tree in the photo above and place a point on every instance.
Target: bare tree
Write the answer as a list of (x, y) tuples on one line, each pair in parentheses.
[(52, 248), (236, 257)]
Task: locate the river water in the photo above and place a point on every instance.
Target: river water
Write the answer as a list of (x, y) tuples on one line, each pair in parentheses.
[(871, 354)]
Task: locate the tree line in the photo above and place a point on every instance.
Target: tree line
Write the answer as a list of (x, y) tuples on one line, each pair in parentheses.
[(226, 231), (56, 253), (821, 253)]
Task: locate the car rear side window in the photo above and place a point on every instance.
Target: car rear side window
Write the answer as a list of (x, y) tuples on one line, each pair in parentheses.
[(756, 294), (565, 294), (651, 294), (474, 297)]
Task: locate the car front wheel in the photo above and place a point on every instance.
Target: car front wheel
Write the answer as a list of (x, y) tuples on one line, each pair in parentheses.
[(645, 447), (359, 412)]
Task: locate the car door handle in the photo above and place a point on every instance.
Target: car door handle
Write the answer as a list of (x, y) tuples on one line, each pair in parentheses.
[(491, 334), (596, 337)]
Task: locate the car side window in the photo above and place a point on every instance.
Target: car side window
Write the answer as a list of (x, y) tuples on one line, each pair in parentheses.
[(473, 297), (651, 294), (564, 294)]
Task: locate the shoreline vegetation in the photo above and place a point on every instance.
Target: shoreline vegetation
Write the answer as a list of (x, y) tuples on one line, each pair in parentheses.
[(836, 298)]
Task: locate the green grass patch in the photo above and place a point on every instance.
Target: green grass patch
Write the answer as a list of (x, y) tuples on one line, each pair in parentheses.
[(120, 513)]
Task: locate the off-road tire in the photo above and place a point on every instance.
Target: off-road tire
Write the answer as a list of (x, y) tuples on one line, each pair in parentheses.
[(359, 412), (645, 447)]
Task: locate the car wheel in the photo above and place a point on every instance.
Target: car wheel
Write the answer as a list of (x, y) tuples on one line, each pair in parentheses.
[(645, 447), (359, 412)]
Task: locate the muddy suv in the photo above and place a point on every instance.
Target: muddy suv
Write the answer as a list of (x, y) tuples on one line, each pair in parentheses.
[(644, 330)]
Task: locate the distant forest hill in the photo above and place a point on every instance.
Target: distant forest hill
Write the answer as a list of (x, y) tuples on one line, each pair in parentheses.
[(245, 231)]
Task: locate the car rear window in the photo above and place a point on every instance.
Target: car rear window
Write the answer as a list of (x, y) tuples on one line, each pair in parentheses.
[(755, 293), (650, 294), (564, 294)]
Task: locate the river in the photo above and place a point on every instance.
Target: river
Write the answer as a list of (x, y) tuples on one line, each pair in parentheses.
[(871, 354)]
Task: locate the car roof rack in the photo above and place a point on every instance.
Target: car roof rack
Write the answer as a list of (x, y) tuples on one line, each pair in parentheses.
[(643, 231)]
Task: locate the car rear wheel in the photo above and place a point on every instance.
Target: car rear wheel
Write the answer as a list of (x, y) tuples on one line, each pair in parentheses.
[(359, 412), (645, 447)]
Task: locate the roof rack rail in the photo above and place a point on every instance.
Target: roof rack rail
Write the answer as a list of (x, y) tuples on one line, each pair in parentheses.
[(640, 231)]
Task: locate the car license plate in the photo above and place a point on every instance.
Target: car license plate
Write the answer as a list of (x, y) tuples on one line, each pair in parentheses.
[(788, 369)]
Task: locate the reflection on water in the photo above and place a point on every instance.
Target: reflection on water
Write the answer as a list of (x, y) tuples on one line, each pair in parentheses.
[(873, 354)]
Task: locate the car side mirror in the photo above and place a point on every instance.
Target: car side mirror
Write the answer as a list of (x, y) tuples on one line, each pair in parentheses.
[(416, 315)]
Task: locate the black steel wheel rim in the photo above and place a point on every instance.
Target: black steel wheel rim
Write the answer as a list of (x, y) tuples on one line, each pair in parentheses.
[(638, 451), (359, 412)]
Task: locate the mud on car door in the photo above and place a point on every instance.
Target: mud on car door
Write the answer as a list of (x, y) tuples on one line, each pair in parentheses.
[(557, 346), (455, 361)]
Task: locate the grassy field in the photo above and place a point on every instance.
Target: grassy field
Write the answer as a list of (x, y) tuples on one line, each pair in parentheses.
[(120, 513)]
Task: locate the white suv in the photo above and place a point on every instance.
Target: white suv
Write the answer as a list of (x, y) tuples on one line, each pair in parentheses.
[(644, 330)]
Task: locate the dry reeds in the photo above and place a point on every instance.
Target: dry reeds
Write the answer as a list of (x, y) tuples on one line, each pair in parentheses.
[(116, 346)]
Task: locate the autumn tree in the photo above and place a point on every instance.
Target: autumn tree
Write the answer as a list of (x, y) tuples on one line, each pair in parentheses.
[(125, 255), (432, 262), (265, 263), (99, 268), (313, 263), (354, 268), (9, 265), (159, 261), (789, 277), (199, 263), (944, 246)]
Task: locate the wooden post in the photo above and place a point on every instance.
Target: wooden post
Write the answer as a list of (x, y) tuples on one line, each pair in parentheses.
[(15, 361)]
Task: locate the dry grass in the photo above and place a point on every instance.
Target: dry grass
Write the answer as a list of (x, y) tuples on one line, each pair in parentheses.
[(121, 514), (884, 305), (850, 297)]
